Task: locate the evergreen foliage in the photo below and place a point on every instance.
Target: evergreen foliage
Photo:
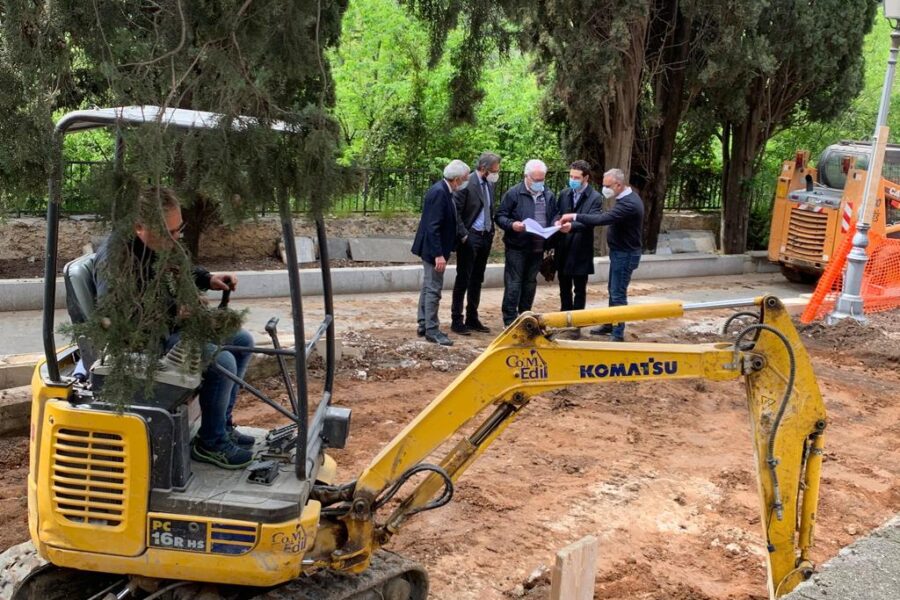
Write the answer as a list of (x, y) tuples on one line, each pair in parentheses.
[(263, 58)]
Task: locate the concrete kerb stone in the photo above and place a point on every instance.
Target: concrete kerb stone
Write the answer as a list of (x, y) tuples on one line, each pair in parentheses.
[(864, 570), (27, 294), (17, 369), (392, 250), (15, 409)]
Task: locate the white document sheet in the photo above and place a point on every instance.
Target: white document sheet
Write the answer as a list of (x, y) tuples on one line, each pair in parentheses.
[(532, 226)]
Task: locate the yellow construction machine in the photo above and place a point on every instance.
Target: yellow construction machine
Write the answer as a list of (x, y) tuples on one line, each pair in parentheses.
[(117, 509), (814, 206)]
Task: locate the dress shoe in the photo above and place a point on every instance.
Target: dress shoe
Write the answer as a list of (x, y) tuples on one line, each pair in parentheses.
[(478, 326), (420, 331), (602, 330), (459, 328), (439, 338)]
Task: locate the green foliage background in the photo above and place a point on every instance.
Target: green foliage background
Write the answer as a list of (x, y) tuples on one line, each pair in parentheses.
[(395, 111)]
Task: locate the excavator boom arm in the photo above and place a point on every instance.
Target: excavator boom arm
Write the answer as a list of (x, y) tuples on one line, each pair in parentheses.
[(787, 419)]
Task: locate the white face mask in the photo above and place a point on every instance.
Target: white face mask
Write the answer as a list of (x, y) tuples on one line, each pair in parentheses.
[(493, 177), (608, 192), (463, 185)]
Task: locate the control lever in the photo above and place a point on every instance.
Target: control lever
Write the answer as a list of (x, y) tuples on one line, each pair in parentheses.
[(272, 330), (226, 293)]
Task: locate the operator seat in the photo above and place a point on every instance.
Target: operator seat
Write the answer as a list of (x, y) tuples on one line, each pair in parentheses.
[(81, 297)]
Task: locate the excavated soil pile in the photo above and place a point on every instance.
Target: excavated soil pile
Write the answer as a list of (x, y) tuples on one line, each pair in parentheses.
[(875, 341)]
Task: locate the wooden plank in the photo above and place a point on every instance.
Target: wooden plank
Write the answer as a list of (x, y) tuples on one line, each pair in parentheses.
[(575, 571)]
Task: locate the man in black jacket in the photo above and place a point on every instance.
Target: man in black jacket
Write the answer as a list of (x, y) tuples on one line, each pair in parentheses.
[(435, 241), (625, 221), (523, 251), (475, 212), (575, 249)]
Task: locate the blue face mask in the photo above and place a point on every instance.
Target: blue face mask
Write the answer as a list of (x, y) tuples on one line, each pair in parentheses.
[(574, 184), (537, 186)]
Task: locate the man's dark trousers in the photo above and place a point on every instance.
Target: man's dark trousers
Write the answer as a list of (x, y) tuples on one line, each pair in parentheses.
[(471, 261), (520, 282), (566, 285), (622, 264)]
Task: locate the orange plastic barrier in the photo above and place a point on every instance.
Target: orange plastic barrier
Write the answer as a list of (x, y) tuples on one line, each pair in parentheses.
[(880, 288)]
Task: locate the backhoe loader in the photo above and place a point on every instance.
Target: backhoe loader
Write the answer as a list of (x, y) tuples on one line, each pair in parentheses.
[(815, 206), (117, 509)]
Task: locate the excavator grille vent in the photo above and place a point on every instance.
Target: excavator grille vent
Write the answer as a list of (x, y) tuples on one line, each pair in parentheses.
[(806, 234), (89, 477)]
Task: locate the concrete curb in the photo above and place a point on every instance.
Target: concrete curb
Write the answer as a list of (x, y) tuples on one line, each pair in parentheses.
[(15, 409), (27, 294), (867, 569)]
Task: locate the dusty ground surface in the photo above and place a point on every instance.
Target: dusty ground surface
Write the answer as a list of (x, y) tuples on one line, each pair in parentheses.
[(660, 472)]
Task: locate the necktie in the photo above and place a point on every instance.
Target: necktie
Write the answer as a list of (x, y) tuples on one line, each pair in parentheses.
[(487, 202)]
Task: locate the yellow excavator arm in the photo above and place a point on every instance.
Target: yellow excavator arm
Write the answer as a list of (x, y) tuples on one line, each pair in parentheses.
[(787, 421)]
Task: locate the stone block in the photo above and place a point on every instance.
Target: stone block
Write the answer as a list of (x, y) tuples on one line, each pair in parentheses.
[(306, 250), (17, 369), (391, 250), (687, 241), (338, 248), (15, 410)]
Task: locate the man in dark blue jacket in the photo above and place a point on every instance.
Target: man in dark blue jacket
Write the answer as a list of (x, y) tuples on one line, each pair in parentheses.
[(524, 251), (575, 245), (625, 221), (435, 241)]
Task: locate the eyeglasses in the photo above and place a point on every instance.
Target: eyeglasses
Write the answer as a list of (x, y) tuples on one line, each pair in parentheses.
[(178, 231)]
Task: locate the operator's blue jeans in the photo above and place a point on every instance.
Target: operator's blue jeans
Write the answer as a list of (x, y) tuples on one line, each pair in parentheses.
[(217, 392), (622, 264)]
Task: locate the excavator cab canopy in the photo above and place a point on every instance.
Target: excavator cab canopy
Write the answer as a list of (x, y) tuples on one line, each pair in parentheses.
[(309, 439)]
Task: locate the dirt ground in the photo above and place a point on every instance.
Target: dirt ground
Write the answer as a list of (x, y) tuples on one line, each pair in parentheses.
[(660, 472)]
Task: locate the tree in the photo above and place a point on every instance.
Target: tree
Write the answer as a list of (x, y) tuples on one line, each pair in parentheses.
[(262, 58), (396, 111), (794, 59)]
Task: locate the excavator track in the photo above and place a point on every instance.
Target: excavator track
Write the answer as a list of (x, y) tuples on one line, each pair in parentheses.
[(26, 576), (389, 577)]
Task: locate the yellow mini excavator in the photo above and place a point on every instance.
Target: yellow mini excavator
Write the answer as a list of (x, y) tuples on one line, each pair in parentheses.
[(117, 509)]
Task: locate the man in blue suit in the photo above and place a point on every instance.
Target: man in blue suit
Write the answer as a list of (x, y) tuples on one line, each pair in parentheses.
[(435, 240)]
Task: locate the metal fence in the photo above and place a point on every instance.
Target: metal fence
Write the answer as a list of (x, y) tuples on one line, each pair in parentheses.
[(386, 191)]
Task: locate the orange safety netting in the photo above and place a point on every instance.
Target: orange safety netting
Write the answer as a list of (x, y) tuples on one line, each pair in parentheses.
[(880, 288)]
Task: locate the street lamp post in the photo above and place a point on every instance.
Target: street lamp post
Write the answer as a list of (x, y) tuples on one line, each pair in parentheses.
[(850, 302)]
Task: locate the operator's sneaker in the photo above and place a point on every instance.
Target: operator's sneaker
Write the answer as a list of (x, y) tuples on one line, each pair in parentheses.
[(238, 438), (606, 329), (229, 457)]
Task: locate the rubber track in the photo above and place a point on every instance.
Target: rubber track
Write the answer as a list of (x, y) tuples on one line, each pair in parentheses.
[(16, 565), (335, 586), (20, 562)]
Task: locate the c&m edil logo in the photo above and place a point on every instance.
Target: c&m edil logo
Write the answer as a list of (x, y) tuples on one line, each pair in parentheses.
[(532, 366)]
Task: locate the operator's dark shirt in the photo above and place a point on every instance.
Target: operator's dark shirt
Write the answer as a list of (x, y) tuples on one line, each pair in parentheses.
[(143, 268)]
